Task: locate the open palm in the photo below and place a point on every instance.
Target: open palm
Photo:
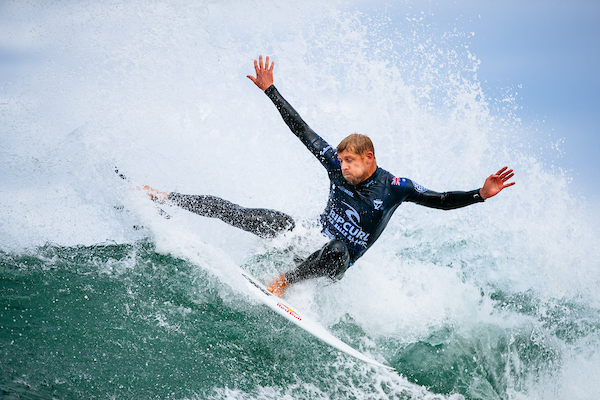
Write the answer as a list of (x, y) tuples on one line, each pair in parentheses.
[(495, 183)]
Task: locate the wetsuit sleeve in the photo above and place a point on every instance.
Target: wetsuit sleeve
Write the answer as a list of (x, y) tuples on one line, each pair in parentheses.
[(324, 152), (416, 193)]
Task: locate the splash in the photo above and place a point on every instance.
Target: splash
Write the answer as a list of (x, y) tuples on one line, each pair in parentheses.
[(497, 300)]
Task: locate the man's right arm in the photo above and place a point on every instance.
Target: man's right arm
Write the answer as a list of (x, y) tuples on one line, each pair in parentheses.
[(291, 117), (264, 81), (325, 153)]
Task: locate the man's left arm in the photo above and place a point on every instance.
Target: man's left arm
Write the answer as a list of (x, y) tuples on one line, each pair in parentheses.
[(493, 185)]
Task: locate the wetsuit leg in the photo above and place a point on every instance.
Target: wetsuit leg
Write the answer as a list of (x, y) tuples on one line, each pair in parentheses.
[(262, 222), (332, 261)]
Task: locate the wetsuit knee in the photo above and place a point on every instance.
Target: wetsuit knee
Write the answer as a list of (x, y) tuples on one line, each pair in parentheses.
[(266, 223), (336, 258), (330, 261)]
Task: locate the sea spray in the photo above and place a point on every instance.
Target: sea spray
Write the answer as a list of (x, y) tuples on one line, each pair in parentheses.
[(497, 300)]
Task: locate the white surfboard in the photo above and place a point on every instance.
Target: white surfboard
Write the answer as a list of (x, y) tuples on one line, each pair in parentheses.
[(294, 315)]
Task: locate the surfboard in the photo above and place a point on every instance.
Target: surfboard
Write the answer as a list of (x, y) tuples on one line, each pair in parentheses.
[(298, 318)]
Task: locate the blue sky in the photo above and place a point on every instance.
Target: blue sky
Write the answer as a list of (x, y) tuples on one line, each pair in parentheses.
[(548, 52)]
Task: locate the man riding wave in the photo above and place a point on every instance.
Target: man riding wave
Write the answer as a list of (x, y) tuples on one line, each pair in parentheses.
[(362, 196)]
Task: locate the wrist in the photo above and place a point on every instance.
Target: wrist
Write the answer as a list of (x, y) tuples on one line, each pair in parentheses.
[(479, 195)]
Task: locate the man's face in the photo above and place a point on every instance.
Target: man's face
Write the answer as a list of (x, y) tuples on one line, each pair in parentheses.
[(356, 169)]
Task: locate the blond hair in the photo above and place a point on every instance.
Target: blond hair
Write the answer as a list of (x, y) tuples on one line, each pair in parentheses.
[(357, 144)]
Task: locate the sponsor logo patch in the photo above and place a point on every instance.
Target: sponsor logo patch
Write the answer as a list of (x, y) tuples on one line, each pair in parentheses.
[(343, 189), (325, 150), (377, 204), (289, 311), (419, 188), (348, 226)]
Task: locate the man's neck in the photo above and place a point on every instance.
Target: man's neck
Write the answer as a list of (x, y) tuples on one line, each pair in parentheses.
[(371, 172)]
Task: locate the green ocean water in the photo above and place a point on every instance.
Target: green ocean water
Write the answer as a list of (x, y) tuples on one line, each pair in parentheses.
[(124, 321), (101, 297)]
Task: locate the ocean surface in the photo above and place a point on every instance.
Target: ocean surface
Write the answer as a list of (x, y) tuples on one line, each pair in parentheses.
[(103, 297)]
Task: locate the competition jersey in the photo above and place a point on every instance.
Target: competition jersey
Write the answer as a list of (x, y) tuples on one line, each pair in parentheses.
[(358, 214)]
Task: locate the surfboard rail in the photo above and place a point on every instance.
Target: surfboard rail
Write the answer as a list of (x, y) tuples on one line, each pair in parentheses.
[(295, 316)]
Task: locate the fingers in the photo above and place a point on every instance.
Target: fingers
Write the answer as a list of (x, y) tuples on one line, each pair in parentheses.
[(260, 67), (264, 73), (501, 171), (266, 66), (507, 176), (504, 175)]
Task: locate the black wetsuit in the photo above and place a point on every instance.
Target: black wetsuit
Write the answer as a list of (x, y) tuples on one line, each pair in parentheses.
[(355, 215)]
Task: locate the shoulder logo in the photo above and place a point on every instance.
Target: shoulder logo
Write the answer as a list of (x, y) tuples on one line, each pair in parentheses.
[(419, 188), (397, 181), (325, 150)]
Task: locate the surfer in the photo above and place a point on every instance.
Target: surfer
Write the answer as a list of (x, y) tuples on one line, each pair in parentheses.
[(362, 196)]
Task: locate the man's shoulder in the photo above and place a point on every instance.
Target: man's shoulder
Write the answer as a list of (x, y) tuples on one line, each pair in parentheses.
[(387, 178), (399, 186)]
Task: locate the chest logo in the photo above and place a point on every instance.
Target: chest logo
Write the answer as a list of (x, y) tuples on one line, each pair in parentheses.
[(352, 214), (377, 204), (347, 228)]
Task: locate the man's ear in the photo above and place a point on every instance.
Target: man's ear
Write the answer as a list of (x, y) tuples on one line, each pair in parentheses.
[(369, 157)]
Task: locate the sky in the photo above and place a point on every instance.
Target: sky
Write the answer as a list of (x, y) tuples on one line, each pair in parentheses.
[(545, 53)]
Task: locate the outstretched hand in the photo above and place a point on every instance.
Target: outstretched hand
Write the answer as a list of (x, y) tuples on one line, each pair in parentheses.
[(496, 182), (264, 73)]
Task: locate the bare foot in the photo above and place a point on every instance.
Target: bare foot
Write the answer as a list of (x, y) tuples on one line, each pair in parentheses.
[(278, 286), (155, 195)]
